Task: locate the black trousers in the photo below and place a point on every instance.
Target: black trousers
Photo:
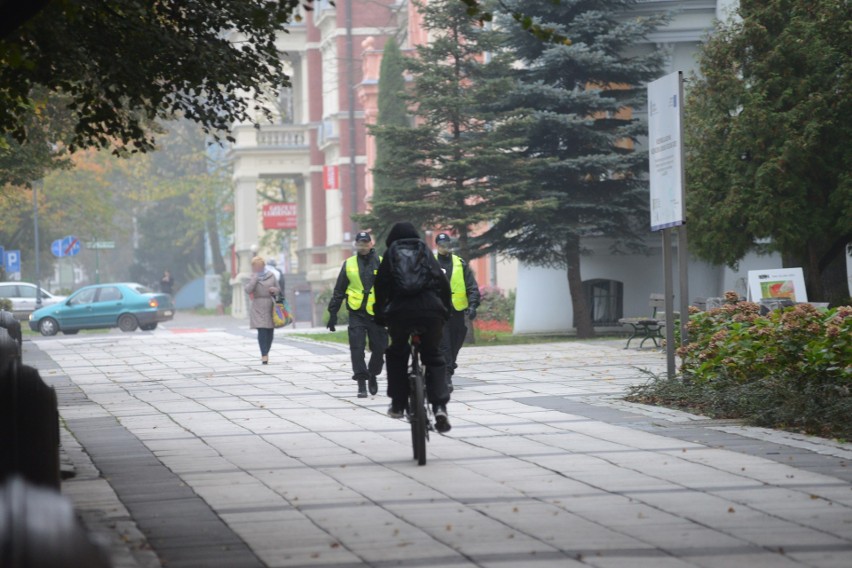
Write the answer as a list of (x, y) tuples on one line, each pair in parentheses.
[(455, 331), (361, 328), (264, 339), (431, 329)]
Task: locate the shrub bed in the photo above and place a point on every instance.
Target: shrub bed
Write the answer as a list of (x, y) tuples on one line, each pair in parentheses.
[(788, 369), (496, 310)]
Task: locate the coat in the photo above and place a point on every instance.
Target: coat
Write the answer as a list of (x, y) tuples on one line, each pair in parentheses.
[(262, 300)]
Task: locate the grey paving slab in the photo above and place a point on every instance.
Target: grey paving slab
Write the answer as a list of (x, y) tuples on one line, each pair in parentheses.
[(213, 453)]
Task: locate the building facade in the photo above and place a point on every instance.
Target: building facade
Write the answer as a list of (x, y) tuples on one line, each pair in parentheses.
[(299, 180)]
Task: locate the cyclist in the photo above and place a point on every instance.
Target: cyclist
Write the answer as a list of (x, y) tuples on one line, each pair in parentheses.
[(413, 294)]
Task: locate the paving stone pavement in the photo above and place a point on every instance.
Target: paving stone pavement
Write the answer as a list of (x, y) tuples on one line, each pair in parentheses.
[(220, 461)]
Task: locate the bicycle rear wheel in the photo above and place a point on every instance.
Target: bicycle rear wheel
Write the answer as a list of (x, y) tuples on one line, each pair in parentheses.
[(418, 417)]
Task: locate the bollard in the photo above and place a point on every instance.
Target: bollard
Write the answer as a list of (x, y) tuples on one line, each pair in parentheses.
[(38, 529), (29, 422)]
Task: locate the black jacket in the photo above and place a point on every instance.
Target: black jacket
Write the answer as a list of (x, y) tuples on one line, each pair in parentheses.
[(470, 284), (367, 265), (435, 299)]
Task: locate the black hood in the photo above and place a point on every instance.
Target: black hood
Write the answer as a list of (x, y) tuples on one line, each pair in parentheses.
[(403, 230)]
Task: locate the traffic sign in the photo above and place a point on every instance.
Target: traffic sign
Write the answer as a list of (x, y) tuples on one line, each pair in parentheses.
[(66, 246), (12, 261), (70, 246), (101, 245), (3, 257), (56, 248)]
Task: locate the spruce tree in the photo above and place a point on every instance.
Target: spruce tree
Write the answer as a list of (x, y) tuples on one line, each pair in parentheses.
[(438, 171), (580, 101), (393, 112)]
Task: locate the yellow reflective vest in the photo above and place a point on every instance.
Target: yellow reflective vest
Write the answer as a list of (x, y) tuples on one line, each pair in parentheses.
[(458, 288), (355, 291)]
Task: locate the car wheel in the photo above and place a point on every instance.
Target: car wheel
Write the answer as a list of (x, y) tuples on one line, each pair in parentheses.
[(148, 327), (127, 322), (48, 327), (70, 331)]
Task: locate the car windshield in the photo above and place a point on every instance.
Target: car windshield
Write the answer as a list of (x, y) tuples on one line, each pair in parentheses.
[(141, 289)]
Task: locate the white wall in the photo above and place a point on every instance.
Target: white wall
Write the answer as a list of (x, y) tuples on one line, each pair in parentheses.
[(543, 303)]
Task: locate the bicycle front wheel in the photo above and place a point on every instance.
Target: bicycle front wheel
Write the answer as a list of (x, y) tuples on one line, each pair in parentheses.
[(418, 418)]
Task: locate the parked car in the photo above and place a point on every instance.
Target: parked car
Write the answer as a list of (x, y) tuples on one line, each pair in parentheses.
[(23, 297), (128, 306)]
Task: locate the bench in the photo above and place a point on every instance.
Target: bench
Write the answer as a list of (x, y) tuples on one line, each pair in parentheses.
[(647, 327)]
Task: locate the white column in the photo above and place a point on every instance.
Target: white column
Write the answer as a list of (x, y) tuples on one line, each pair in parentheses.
[(245, 237)]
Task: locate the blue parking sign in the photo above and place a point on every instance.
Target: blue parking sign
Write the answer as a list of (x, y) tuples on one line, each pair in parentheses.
[(13, 261), (3, 256)]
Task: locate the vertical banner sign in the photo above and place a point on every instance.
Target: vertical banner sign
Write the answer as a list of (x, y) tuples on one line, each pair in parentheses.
[(331, 177), (665, 105)]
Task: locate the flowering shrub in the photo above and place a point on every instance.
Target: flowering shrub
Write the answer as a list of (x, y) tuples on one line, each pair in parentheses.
[(496, 306), (789, 368)]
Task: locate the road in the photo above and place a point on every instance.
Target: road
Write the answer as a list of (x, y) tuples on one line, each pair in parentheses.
[(191, 453)]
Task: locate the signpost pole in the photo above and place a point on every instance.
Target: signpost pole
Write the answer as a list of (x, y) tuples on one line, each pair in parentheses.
[(667, 185), (35, 228), (669, 291)]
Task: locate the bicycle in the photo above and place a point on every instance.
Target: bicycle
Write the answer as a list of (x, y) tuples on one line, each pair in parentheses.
[(419, 413)]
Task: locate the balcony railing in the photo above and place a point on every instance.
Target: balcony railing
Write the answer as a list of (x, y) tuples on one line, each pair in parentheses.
[(289, 136)]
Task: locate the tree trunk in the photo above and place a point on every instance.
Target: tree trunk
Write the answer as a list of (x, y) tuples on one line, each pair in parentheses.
[(813, 279), (835, 280), (582, 313), (215, 249)]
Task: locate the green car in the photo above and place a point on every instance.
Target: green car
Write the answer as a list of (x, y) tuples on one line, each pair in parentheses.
[(127, 306)]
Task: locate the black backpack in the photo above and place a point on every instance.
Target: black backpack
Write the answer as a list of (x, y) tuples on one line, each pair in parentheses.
[(410, 266)]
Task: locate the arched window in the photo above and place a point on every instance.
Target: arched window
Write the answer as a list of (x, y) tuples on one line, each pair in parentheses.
[(606, 301)]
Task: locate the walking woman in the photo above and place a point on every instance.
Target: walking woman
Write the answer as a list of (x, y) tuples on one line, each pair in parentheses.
[(262, 288)]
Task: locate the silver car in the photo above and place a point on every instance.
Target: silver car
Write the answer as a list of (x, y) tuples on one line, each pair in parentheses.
[(23, 297)]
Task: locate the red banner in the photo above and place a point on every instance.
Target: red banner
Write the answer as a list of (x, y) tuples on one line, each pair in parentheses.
[(330, 177), (279, 216)]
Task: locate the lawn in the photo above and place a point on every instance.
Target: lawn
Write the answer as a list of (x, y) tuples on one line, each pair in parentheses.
[(483, 338)]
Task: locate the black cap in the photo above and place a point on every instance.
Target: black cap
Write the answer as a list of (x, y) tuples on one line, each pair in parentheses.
[(443, 238), (363, 236)]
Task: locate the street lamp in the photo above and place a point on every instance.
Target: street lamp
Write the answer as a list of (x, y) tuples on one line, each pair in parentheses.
[(35, 228)]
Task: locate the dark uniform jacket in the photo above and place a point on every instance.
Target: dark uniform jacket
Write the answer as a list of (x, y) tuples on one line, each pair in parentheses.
[(470, 284), (367, 266), (434, 300)]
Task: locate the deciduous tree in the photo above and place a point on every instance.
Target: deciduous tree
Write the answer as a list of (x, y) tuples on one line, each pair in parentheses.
[(768, 126)]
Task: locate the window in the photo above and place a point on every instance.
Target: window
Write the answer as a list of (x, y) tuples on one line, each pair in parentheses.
[(28, 292), (109, 294), (606, 301), (84, 296), (8, 290)]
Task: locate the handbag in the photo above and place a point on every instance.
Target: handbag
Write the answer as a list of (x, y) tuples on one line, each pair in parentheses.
[(281, 315)]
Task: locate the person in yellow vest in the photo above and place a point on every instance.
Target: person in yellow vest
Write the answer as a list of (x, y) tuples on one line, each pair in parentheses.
[(355, 286), (465, 299)]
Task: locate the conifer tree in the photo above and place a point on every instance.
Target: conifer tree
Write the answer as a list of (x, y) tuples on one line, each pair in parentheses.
[(580, 101), (439, 171), (393, 112)]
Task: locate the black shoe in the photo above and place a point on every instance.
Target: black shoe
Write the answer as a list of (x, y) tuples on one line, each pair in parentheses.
[(442, 421), (374, 385), (396, 412), (362, 388)]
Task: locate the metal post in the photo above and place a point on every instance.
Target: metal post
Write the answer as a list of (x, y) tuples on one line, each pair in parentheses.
[(683, 265), (682, 249), (669, 291), (350, 91), (35, 228)]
